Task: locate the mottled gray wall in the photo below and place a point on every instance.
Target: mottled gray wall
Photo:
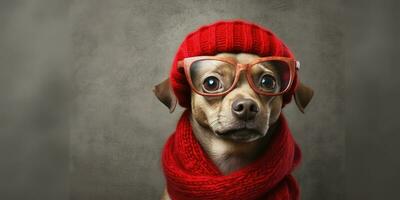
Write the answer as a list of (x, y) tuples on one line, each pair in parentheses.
[(122, 48), (78, 119), (372, 99), (34, 100)]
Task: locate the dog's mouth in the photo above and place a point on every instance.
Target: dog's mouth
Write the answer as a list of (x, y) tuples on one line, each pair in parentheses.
[(240, 135)]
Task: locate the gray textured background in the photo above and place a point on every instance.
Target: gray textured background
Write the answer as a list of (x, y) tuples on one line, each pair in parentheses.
[(122, 49), (78, 119)]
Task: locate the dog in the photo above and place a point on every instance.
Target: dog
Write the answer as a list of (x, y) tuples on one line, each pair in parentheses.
[(234, 130)]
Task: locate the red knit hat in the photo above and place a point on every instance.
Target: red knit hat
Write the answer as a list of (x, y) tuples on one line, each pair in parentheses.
[(235, 36)]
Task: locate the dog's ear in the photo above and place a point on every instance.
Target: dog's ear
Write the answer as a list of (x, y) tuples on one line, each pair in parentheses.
[(163, 92), (303, 96)]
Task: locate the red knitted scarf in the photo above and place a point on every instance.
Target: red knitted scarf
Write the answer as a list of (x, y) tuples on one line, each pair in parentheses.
[(191, 175)]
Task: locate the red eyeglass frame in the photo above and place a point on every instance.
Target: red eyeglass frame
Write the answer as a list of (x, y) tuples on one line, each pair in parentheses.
[(187, 62)]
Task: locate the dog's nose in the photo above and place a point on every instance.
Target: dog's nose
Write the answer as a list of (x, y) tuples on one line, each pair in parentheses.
[(245, 109)]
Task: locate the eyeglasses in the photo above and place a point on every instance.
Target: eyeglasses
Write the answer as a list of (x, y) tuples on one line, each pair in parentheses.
[(217, 76)]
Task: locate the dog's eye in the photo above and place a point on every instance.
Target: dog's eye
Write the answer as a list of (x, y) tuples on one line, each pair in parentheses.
[(267, 82), (211, 84)]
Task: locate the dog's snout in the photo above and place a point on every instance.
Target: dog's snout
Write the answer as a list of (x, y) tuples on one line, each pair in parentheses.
[(245, 109)]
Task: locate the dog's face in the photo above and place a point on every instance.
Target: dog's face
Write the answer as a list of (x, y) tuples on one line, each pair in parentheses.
[(242, 115)]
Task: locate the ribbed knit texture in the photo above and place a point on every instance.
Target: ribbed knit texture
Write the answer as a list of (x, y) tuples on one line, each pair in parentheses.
[(235, 36), (191, 175)]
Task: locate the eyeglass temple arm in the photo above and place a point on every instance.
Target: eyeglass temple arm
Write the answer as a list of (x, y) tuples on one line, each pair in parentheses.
[(297, 64), (180, 64)]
